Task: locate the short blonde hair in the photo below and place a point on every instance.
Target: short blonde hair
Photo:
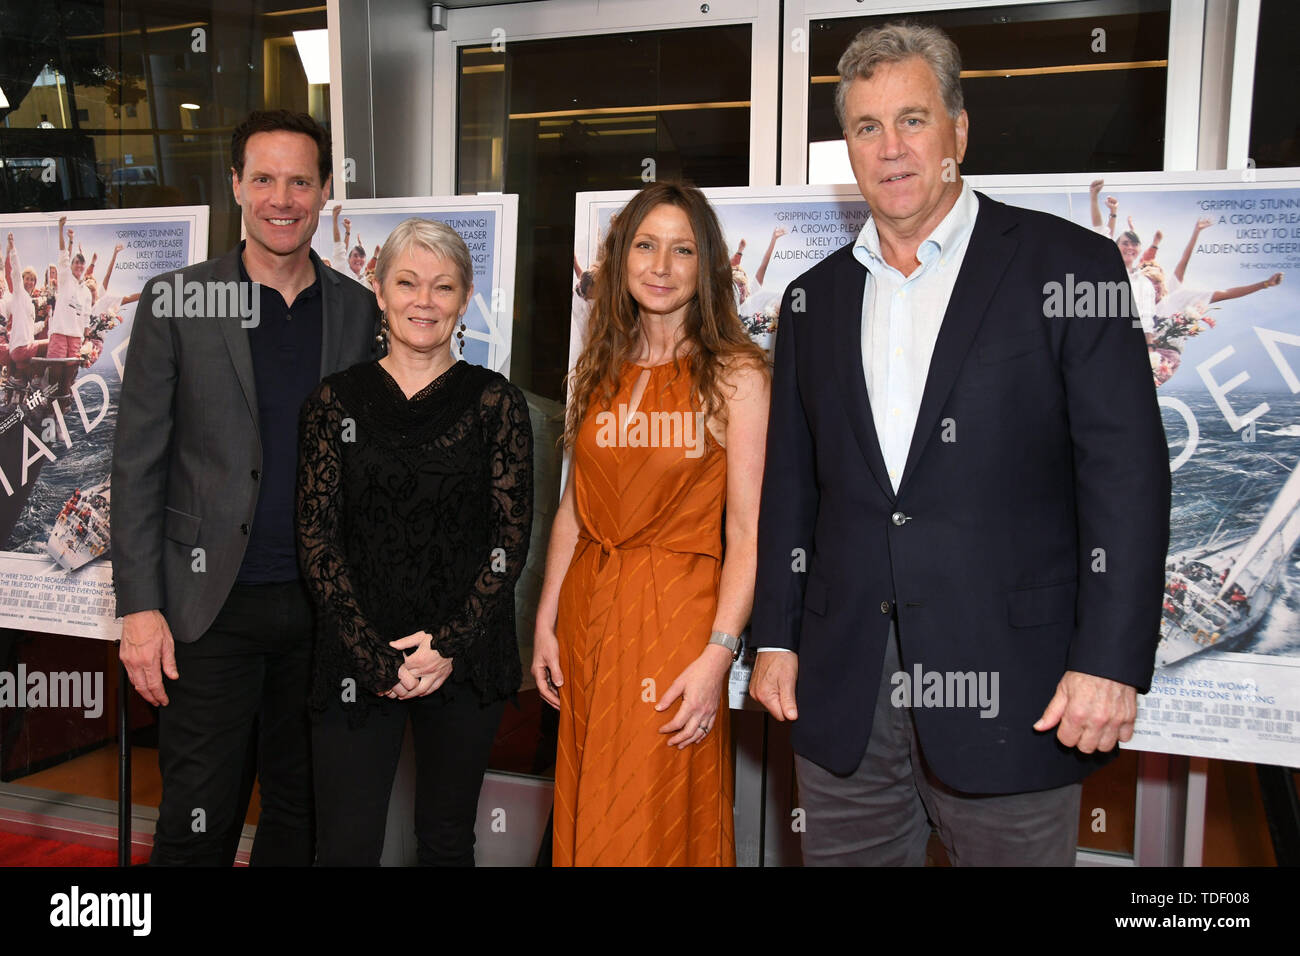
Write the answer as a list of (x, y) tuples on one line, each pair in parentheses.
[(430, 235)]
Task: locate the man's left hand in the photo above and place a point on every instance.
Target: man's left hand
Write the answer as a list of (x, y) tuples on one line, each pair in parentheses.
[(1093, 712)]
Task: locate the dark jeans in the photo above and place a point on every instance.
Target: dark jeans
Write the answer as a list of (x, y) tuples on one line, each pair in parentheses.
[(354, 769), (250, 670)]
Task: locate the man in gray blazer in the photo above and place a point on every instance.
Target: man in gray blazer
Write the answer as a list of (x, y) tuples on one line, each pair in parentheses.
[(216, 625)]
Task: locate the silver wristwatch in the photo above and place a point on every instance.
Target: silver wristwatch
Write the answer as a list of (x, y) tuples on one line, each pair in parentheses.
[(729, 641)]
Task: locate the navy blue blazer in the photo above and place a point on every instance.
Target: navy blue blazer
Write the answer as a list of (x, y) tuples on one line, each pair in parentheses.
[(1029, 532)]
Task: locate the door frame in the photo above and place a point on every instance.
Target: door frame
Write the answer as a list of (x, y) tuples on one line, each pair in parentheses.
[(566, 18), (1182, 91)]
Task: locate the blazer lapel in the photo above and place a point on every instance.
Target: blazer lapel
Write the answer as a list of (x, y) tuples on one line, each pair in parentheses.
[(988, 252), (331, 316), (236, 336), (848, 285)]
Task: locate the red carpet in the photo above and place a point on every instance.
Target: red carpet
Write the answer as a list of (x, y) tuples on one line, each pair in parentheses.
[(34, 851)]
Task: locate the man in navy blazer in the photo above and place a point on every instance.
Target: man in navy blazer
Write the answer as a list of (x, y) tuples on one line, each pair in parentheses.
[(965, 505)]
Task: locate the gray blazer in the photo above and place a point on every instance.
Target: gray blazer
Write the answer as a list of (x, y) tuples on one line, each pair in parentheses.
[(187, 451)]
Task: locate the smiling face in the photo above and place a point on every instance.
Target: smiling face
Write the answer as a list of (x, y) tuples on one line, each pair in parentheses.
[(1128, 250), (662, 263), (899, 135), (280, 192), (78, 266), (29, 281), (356, 261), (424, 297)]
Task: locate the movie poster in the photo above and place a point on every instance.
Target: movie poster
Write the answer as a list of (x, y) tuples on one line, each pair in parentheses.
[(773, 235), (1222, 257), (60, 377), (1221, 312), (352, 231)]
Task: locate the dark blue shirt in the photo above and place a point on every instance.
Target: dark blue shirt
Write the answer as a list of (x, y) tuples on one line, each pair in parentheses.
[(286, 346)]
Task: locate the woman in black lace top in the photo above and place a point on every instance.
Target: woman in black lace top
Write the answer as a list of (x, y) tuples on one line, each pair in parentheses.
[(414, 512)]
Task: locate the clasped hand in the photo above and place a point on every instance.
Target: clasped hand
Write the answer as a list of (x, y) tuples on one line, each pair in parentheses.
[(423, 671)]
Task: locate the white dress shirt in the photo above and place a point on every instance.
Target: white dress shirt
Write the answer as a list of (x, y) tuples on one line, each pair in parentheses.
[(901, 316), (71, 302)]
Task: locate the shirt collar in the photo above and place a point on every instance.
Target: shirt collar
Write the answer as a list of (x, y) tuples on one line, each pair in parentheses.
[(312, 290), (951, 232)]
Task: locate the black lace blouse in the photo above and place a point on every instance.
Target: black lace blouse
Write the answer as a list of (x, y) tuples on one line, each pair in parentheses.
[(414, 514)]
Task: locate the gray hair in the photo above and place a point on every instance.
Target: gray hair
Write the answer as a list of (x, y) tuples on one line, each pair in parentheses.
[(893, 43), (430, 235)]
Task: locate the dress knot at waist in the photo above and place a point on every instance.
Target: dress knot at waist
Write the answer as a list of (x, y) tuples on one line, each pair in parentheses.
[(609, 547), (606, 544)]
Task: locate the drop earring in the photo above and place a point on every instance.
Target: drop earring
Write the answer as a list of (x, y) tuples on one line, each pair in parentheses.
[(381, 339), (460, 336)]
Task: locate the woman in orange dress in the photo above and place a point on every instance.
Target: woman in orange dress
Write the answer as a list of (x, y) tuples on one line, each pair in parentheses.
[(637, 623)]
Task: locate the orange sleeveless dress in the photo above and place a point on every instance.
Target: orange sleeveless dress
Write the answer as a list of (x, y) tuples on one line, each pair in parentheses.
[(636, 607)]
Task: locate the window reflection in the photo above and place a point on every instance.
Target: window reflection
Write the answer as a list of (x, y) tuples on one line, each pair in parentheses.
[(1275, 105), (132, 103), (1050, 88), (548, 119)]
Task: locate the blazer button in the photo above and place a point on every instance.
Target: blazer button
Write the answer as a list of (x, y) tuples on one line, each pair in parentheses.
[(243, 529), (884, 607), (899, 518), (256, 474)]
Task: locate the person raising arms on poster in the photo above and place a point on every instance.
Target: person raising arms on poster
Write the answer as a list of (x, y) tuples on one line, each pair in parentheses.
[(1130, 250), (1180, 270), (23, 346), (640, 611), (1182, 311), (101, 302), (744, 288), (758, 306), (105, 311), (345, 252), (67, 326), (1094, 208)]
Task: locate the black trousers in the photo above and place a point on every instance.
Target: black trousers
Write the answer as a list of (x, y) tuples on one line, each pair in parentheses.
[(250, 672), (355, 766)]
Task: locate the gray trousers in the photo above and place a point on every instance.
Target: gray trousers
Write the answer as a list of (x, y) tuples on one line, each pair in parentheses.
[(882, 813)]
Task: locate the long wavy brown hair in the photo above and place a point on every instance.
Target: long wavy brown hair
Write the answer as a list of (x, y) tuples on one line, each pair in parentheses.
[(712, 331)]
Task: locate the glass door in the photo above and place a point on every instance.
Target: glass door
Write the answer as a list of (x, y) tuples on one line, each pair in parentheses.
[(547, 100)]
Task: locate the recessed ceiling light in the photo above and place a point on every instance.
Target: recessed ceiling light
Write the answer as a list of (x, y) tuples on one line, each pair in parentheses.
[(314, 51)]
